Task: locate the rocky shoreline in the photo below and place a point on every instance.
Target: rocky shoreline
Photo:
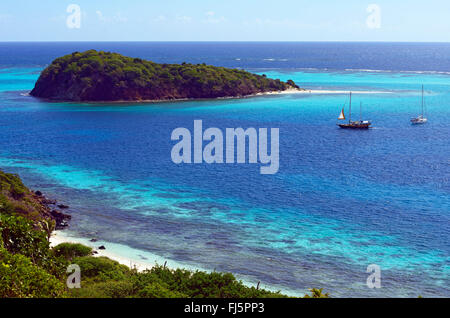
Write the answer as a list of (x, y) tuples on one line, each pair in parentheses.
[(52, 210)]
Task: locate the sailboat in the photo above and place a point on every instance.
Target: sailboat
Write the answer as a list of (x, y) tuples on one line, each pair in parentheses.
[(421, 118), (361, 124)]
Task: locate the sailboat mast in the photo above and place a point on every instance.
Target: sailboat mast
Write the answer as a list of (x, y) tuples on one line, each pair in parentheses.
[(360, 111), (350, 117), (422, 100)]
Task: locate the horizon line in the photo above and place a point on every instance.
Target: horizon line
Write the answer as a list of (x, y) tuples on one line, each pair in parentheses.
[(219, 41)]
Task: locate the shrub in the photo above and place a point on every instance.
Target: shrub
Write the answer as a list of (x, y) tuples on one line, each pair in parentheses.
[(19, 237), (12, 183), (19, 277), (101, 268), (16, 199), (158, 290), (71, 250), (317, 293), (196, 284), (108, 289)]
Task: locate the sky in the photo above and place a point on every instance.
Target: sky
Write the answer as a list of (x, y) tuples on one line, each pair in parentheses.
[(225, 20)]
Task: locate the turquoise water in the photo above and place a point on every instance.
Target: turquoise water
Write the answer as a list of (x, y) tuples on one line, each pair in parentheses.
[(342, 200)]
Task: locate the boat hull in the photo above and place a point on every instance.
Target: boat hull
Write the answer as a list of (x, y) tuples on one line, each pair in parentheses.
[(416, 121), (354, 126)]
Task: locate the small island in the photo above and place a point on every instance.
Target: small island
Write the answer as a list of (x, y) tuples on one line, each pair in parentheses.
[(95, 76)]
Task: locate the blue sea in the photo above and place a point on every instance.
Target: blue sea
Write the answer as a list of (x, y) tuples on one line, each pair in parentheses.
[(342, 200)]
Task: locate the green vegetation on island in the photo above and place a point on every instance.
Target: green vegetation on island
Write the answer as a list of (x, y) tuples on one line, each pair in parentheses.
[(29, 267), (104, 76)]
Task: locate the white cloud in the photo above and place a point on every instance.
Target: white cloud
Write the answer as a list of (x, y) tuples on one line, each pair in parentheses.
[(100, 16), (4, 18), (212, 18), (115, 18), (160, 18), (184, 19), (286, 23)]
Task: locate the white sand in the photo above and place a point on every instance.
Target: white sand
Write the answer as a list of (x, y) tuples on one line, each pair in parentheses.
[(135, 261), (319, 92)]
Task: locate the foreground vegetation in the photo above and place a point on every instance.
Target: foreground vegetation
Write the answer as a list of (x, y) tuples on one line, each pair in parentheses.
[(105, 76), (29, 267)]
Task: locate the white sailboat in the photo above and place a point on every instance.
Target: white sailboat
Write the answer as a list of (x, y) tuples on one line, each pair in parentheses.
[(421, 119)]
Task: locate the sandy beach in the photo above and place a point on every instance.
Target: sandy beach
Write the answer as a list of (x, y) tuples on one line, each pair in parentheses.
[(142, 261), (319, 92), (59, 237)]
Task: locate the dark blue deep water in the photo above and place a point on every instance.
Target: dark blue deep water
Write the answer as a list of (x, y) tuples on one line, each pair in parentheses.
[(341, 200)]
